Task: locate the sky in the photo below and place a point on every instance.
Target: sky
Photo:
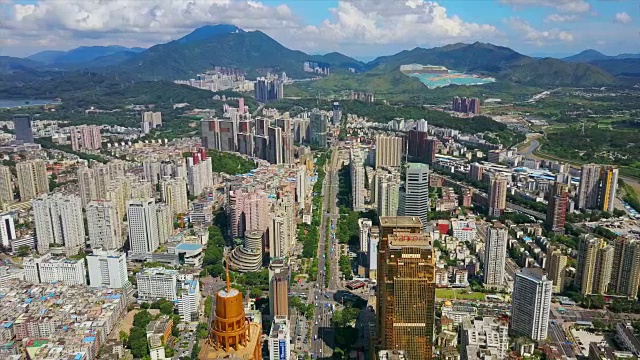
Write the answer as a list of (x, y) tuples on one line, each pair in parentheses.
[(359, 28)]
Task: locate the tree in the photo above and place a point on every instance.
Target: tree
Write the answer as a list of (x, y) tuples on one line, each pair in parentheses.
[(24, 250), (202, 330), (165, 306), (138, 342), (124, 337), (141, 319), (256, 292)]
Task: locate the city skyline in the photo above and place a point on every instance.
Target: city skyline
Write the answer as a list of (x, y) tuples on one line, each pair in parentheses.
[(363, 28)]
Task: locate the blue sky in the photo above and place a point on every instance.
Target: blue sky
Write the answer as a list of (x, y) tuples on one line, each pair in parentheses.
[(361, 28)]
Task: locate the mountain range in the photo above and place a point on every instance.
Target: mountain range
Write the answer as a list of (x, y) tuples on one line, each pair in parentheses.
[(256, 53)]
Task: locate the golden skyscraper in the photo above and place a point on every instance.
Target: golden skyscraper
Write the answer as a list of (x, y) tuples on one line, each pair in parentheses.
[(406, 287)]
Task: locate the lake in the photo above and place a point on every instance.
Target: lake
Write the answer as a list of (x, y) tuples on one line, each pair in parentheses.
[(17, 103)]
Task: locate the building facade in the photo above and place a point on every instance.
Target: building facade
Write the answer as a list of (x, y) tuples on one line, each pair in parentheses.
[(531, 303)]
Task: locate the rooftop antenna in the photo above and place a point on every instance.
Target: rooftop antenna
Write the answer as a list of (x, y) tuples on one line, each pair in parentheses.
[(226, 261)]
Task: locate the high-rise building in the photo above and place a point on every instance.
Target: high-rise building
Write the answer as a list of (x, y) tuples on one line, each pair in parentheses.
[(274, 153), (280, 339), (598, 186), (108, 268), (625, 273), (157, 283), (85, 137), (279, 288), (364, 225), (150, 120), (557, 208), (476, 172), (608, 188), (6, 187), (336, 113), (557, 267), (219, 134), (356, 167), (318, 129), (7, 230), (87, 185), (248, 210), (174, 193), (389, 151), (32, 179), (531, 303), (105, 230), (387, 194), (199, 172), (59, 222), (23, 129), (495, 252), (406, 287), (372, 253), (248, 257), (165, 222), (414, 199), (497, 195), (466, 105), (280, 235), (595, 262), (268, 89), (143, 226), (189, 301)]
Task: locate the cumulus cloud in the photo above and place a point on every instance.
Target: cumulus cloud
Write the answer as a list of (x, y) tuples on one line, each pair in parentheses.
[(622, 18), (146, 22), (560, 18), (575, 6), (538, 37)]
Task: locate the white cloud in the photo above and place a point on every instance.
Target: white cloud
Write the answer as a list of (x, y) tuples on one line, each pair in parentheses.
[(575, 6), (622, 18), (538, 37), (359, 23), (560, 18)]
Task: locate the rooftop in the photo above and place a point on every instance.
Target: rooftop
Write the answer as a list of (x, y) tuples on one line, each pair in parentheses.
[(188, 247), (400, 221)]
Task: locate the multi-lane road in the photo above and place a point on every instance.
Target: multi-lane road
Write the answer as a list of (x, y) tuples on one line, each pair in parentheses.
[(322, 295)]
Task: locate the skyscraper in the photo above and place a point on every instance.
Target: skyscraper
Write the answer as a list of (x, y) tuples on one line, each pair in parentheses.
[(280, 339), (625, 273), (336, 113), (389, 151), (199, 172), (105, 227), (275, 154), (557, 208), (595, 262), (22, 124), (58, 220), (497, 195), (32, 179), (318, 129), (87, 185), (6, 187), (495, 252), (174, 193), (7, 230), (415, 199), (85, 137), (557, 267), (165, 222), (356, 167), (406, 288), (248, 210), (608, 188), (364, 227), (530, 303), (387, 194), (279, 288), (268, 89), (598, 186), (143, 226)]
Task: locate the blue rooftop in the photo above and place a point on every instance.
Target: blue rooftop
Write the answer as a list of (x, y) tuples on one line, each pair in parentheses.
[(188, 247), (89, 339), (29, 300), (526, 239), (7, 324), (78, 357)]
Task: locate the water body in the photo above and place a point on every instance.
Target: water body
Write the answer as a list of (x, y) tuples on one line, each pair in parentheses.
[(433, 81), (18, 103)]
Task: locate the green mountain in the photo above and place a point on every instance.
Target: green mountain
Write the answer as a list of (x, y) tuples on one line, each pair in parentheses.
[(586, 56), (619, 67), (500, 62), (254, 52), (476, 57), (82, 54), (554, 72)]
